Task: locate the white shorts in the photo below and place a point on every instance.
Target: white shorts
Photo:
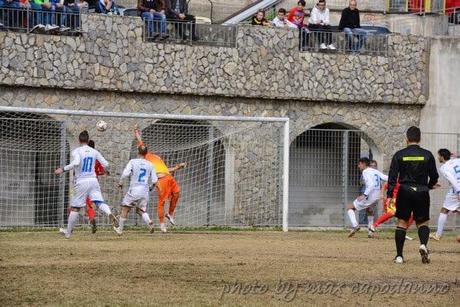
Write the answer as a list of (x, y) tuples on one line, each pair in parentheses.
[(451, 202), (84, 189), (138, 201), (365, 203)]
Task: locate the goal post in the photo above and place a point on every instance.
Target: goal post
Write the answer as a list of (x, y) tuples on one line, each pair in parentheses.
[(237, 173)]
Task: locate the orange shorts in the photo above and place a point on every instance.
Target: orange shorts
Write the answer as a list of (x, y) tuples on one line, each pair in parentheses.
[(166, 187)]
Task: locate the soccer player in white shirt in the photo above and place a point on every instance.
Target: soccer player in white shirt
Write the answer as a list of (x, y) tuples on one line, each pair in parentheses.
[(371, 196), (85, 184), (450, 170), (141, 172)]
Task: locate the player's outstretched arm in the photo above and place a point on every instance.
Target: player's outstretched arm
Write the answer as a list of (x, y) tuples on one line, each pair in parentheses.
[(126, 173), (137, 135), (75, 162), (177, 167)]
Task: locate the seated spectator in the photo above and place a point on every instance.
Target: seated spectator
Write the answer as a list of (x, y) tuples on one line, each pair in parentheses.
[(107, 7), (259, 19), (297, 17), (58, 16), (281, 21), (350, 24), (319, 22), (177, 11), (41, 16), (154, 13), (73, 10)]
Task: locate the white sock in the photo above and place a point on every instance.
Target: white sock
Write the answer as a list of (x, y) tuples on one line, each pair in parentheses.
[(370, 221), (441, 221), (72, 220), (352, 216), (146, 218), (104, 208), (121, 223)]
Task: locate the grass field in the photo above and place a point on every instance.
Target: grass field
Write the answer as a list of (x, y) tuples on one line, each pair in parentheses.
[(240, 268)]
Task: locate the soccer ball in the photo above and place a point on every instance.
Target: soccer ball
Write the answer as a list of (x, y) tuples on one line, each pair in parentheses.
[(101, 126)]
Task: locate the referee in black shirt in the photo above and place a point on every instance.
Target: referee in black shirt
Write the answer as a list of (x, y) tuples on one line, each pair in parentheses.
[(416, 169)]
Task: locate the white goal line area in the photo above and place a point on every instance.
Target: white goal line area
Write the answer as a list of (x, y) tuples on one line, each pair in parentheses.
[(237, 167)]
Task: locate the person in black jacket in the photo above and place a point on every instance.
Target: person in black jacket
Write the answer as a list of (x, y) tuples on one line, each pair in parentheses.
[(351, 25), (177, 11), (416, 169)]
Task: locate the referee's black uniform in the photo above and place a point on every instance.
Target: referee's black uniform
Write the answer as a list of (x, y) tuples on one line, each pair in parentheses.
[(415, 168)]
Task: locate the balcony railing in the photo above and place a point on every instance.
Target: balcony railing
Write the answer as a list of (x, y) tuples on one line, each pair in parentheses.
[(189, 33), (62, 21), (363, 42)]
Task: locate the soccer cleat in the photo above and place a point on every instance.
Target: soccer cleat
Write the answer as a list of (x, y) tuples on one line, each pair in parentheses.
[(117, 230), (399, 260), (163, 228), (170, 219), (323, 46), (435, 236), (63, 232), (424, 254), (353, 231), (409, 238), (93, 226)]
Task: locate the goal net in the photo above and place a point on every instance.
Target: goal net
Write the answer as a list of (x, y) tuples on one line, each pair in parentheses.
[(234, 174)]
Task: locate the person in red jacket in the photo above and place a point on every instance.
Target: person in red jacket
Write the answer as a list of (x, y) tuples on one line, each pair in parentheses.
[(297, 17), (99, 169)]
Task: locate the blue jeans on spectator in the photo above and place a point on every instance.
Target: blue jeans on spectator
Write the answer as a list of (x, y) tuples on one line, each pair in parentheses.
[(73, 16), (13, 5), (351, 33), (103, 10), (152, 24), (57, 13), (9, 18), (39, 15)]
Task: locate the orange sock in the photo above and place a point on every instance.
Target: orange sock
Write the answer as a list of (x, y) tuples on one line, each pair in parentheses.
[(383, 218), (161, 211), (173, 203)]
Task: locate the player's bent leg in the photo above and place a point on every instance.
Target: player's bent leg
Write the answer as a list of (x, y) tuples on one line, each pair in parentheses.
[(172, 207), (370, 222), (383, 218), (71, 221), (441, 222), (146, 218), (91, 216), (351, 208), (123, 217), (104, 208)]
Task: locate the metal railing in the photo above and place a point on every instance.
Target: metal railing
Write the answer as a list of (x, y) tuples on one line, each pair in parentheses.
[(60, 21), (189, 33), (366, 42), (415, 6)]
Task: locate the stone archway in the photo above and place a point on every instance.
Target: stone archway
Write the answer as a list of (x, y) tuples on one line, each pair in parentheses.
[(323, 173)]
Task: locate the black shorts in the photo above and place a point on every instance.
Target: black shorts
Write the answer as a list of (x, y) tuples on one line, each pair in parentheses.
[(409, 201)]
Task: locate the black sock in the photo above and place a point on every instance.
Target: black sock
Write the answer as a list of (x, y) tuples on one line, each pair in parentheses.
[(424, 234), (400, 237)]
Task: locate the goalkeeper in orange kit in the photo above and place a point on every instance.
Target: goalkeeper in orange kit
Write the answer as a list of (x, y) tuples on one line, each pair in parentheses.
[(389, 206), (167, 186)]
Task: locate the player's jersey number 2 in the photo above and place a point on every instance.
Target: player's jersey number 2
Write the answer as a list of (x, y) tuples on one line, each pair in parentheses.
[(87, 165), (142, 174)]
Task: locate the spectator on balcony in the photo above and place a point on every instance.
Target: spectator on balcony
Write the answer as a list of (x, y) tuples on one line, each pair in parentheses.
[(320, 23), (73, 10), (177, 11), (9, 17), (42, 15), (154, 13), (350, 24), (281, 21), (260, 20), (107, 7), (14, 4), (297, 16)]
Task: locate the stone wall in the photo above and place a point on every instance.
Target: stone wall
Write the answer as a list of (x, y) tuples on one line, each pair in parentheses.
[(111, 55)]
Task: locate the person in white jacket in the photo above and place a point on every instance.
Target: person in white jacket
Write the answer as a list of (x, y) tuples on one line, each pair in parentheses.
[(319, 23), (281, 21)]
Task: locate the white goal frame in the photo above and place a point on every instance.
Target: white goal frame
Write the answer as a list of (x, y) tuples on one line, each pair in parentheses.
[(283, 120)]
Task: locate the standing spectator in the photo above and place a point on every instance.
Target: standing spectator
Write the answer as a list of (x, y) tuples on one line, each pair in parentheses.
[(9, 17), (260, 20), (281, 21), (58, 14), (42, 15), (73, 10), (177, 11), (154, 12), (350, 24), (297, 16), (320, 22), (14, 4)]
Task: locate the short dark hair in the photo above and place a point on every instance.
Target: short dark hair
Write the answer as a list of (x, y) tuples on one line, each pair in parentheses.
[(321, 1), (302, 3), (142, 150), (91, 143), (373, 161), (282, 10), (445, 153), (413, 134), (365, 161), (83, 137)]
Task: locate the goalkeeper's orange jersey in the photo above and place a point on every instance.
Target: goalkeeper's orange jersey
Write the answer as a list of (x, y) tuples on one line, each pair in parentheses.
[(158, 163)]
